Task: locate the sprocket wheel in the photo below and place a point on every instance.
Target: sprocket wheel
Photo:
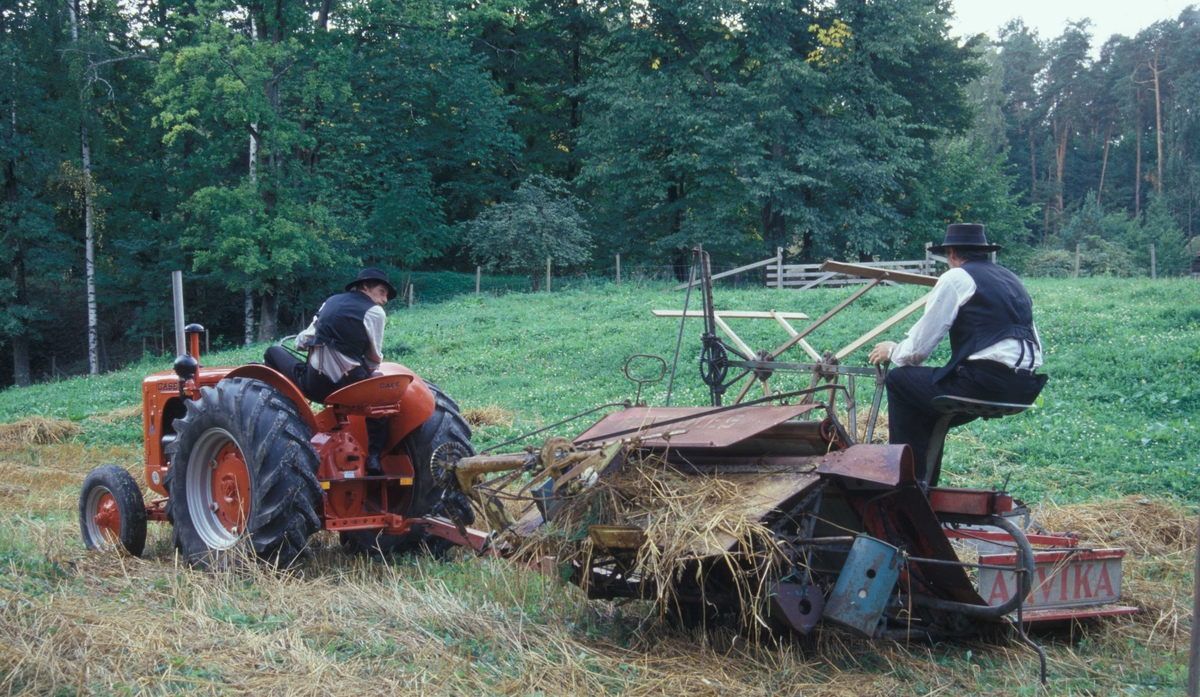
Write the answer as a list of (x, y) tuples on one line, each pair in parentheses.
[(714, 363)]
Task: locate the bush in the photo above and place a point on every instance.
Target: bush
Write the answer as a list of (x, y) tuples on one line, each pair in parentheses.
[(542, 221), (1050, 263), (1101, 257), (1161, 229), (1098, 257)]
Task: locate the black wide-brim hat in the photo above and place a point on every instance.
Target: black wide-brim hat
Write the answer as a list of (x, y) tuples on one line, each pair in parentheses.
[(372, 275), (965, 235)]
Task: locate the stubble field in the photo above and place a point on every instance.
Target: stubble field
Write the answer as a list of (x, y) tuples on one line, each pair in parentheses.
[(1112, 451)]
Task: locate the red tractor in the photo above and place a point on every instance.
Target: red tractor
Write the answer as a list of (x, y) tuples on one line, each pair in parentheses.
[(238, 454)]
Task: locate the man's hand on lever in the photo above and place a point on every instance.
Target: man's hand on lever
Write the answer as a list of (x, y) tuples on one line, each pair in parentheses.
[(880, 354)]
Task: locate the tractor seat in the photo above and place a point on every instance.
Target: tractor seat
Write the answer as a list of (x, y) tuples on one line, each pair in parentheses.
[(950, 406), (379, 393)]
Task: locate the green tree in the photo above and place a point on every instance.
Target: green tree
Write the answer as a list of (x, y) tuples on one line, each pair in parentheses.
[(1022, 60), (965, 182), (35, 131), (541, 222), (364, 134), (1160, 228)]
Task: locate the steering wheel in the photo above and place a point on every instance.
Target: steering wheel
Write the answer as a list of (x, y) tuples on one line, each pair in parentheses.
[(291, 349)]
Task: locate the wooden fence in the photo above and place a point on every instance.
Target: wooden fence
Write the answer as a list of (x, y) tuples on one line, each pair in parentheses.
[(805, 276)]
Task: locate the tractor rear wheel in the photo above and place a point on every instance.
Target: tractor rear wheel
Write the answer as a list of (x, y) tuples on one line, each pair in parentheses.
[(112, 513), (445, 425), (242, 469)]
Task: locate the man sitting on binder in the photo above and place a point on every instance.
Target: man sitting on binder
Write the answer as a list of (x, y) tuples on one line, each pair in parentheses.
[(995, 348)]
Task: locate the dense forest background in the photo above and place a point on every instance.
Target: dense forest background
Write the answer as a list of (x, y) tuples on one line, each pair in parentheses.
[(270, 148)]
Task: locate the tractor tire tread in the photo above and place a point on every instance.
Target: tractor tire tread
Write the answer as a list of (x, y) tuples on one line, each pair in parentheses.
[(131, 507), (280, 462)]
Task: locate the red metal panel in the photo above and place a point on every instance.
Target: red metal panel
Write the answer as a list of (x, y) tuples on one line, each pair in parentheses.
[(1055, 556), (379, 391), (701, 431), (1062, 578), (882, 464), (903, 518), (969, 501), (1050, 539), (475, 539), (1077, 613)]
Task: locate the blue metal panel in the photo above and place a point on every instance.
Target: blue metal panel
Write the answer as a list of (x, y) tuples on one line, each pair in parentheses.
[(864, 585)]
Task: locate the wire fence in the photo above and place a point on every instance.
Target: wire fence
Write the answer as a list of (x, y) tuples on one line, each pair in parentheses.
[(436, 287)]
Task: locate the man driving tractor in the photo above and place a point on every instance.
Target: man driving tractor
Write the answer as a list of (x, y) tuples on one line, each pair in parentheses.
[(345, 345)]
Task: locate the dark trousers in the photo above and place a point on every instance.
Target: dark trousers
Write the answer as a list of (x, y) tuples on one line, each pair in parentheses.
[(911, 389), (317, 387)]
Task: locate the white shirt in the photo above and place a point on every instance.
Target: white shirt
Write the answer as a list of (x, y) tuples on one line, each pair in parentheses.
[(334, 364), (953, 290)]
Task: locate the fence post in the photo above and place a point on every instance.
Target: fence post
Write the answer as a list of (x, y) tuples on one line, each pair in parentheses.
[(1193, 684), (779, 268), (618, 269), (1077, 245), (547, 274), (1153, 263), (993, 257), (928, 259), (410, 294), (478, 273)]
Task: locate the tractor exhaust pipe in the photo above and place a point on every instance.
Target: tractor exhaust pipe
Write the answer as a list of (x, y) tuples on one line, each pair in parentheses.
[(177, 293), (186, 364)]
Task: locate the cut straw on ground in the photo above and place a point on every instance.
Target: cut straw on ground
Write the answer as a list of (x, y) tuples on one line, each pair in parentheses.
[(490, 415), (78, 623), (36, 430)]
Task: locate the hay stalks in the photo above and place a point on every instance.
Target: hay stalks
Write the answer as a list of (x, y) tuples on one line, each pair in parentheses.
[(863, 416), (36, 430), (491, 415), (119, 414), (78, 623), (699, 541)]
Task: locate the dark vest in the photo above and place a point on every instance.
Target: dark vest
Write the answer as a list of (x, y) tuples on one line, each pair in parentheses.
[(1000, 309), (340, 325)]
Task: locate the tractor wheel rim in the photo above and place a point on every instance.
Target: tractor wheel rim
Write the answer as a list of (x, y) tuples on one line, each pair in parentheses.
[(102, 518), (218, 489)]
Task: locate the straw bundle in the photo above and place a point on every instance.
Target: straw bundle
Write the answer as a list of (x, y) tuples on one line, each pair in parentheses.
[(36, 430), (699, 539), (491, 415)]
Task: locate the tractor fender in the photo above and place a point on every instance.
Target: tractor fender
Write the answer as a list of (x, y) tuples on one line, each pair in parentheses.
[(276, 379), (416, 406)]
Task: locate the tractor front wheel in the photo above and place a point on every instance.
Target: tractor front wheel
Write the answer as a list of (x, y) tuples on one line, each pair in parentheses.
[(112, 513), (242, 469)]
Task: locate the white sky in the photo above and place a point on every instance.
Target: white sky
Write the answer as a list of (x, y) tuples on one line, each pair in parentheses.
[(1050, 17)]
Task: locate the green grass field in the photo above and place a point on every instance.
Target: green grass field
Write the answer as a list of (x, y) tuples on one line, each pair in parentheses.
[(1118, 416), (1116, 425)]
